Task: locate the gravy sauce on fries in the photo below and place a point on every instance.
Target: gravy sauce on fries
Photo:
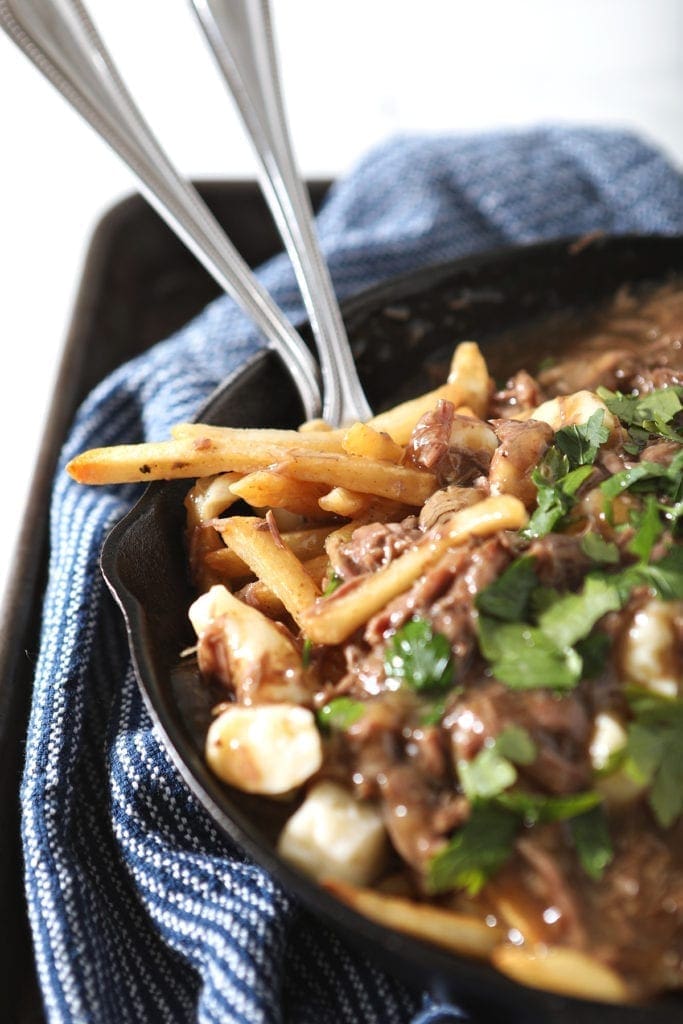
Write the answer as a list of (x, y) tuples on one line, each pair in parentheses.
[(450, 642)]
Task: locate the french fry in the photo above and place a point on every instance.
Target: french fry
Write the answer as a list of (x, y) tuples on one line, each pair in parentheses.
[(334, 619), (306, 544), (196, 450), (459, 933), (362, 439), (342, 502), (470, 374), (272, 562), (258, 595), (560, 969), (468, 384), (267, 489), (399, 483), (320, 439), (314, 425)]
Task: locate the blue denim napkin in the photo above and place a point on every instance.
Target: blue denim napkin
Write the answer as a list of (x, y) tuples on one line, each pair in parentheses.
[(140, 910)]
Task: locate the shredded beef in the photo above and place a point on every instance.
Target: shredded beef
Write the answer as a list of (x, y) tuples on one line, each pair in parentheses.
[(522, 446), (558, 725), (457, 449), (429, 441), (521, 393), (373, 546), (417, 814), (559, 560)]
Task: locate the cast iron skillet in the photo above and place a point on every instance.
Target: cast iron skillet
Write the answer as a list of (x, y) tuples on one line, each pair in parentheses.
[(397, 331)]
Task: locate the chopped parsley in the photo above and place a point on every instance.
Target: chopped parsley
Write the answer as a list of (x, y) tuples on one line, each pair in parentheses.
[(476, 852), (647, 416), (486, 841), (563, 469), (420, 657), (580, 442), (592, 841), (340, 713), (524, 658), (493, 769), (647, 476), (557, 648), (595, 547), (648, 527), (556, 496), (334, 582), (654, 752), (507, 598), (535, 809)]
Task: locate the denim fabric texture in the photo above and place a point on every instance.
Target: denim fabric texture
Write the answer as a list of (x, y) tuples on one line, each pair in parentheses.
[(141, 911)]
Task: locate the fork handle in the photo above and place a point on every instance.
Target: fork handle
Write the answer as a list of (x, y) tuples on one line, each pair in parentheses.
[(240, 33), (62, 41)]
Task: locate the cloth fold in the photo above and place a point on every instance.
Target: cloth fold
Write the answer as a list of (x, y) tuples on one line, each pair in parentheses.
[(141, 911)]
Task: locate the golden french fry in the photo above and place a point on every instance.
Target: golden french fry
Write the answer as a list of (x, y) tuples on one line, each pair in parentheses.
[(314, 425), (322, 439), (306, 544), (470, 374), (267, 489), (272, 562), (468, 384), (399, 483), (196, 450), (362, 439), (334, 619), (342, 502), (258, 595), (459, 933), (560, 969)]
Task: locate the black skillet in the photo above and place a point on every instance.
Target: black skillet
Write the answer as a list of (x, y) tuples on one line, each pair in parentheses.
[(402, 333)]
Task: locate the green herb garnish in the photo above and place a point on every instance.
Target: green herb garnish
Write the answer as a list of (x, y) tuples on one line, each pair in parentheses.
[(476, 851), (493, 769), (654, 752), (648, 527), (535, 809), (507, 598), (340, 713), (335, 581), (580, 442), (524, 658), (420, 657), (486, 840), (599, 550), (647, 415), (592, 842), (555, 498)]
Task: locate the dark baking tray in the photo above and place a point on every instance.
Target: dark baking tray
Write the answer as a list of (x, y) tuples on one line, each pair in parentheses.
[(138, 285)]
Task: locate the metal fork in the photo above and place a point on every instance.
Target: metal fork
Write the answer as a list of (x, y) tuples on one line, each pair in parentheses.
[(241, 36), (62, 41)]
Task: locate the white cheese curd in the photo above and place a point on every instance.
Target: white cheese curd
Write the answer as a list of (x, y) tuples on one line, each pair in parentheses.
[(332, 836), (567, 410), (649, 653), (270, 749), (609, 736), (247, 650)]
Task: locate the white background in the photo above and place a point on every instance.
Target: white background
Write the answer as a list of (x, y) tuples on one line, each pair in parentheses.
[(355, 72)]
